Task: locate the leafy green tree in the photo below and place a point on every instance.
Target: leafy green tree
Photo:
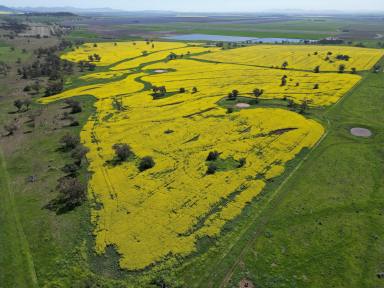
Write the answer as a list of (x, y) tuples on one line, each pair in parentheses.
[(69, 142), (146, 163), (213, 155), (122, 151), (212, 168), (341, 68)]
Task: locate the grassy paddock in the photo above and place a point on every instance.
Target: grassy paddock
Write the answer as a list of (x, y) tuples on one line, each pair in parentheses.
[(326, 228)]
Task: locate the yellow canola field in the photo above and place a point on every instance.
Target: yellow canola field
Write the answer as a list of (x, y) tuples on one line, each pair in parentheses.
[(220, 79), (162, 212), (165, 210), (162, 55), (111, 54), (303, 57)]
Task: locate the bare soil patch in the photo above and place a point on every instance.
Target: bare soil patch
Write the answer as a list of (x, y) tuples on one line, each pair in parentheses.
[(361, 132), (246, 284), (242, 105)]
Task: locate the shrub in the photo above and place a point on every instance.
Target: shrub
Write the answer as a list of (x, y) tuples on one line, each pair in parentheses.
[(146, 163)]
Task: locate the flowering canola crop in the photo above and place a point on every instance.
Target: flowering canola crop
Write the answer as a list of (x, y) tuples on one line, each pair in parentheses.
[(302, 57), (162, 212)]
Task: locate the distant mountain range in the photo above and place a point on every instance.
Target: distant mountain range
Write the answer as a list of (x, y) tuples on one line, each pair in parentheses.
[(106, 10), (6, 9)]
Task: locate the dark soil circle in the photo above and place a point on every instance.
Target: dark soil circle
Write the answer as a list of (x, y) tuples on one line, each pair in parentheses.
[(361, 132)]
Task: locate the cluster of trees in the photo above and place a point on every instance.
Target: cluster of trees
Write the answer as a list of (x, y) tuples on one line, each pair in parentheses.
[(48, 64), (214, 156), (94, 58), (302, 108), (20, 103), (11, 24), (86, 65), (4, 68), (160, 91), (123, 152), (71, 191), (233, 95), (75, 106)]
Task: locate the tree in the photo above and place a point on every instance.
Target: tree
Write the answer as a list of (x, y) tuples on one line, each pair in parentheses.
[(257, 93), (27, 102), (79, 154), (18, 104), (91, 66), (182, 90), (97, 57), (194, 90), (316, 86), (69, 142), (81, 65), (70, 169), (233, 95), (54, 88), (72, 193), (317, 69), (172, 56), (303, 106), (353, 70), (122, 151), (159, 91), (91, 58), (213, 155), (212, 168), (242, 162), (74, 105), (284, 80), (341, 68), (284, 65), (146, 163)]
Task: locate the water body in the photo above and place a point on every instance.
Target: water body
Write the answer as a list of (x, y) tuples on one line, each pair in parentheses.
[(223, 38)]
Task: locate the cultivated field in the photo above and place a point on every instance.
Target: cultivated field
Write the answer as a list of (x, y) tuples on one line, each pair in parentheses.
[(160, 214)]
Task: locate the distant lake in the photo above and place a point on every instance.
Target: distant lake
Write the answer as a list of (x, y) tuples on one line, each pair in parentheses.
[(206, 37)]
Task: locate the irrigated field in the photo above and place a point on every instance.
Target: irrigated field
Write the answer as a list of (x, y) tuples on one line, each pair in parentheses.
[(161, 213)]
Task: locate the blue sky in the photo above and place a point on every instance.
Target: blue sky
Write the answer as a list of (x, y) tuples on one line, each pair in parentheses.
[(209, 5)]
